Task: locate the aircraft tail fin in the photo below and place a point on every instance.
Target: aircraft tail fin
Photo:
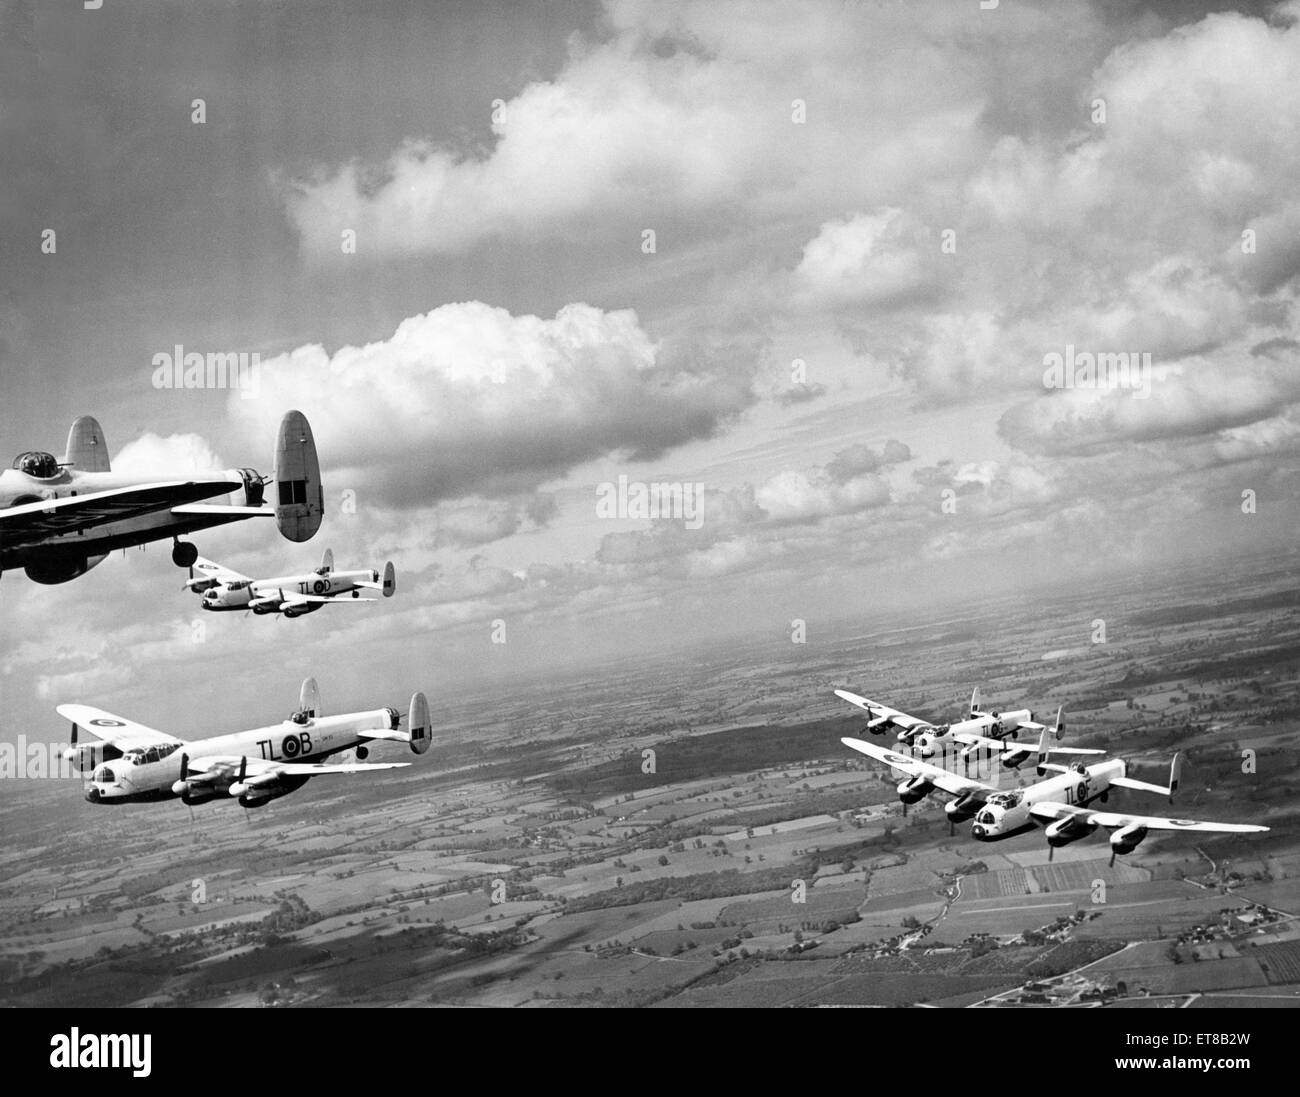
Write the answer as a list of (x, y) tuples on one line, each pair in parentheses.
[(309, 697), (975, 701), (300, 498), (87, 451), (1060, 723), (390, 580), (418, 725), (1175, 774), (1044, 749)]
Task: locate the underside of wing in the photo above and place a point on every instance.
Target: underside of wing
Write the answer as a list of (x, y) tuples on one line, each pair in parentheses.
[(321, 599), (32, 521), (221, 510), (123, 734), (260, 772), (324, 769)]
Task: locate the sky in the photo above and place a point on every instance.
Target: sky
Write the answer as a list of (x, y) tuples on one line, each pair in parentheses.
[(814, 257)]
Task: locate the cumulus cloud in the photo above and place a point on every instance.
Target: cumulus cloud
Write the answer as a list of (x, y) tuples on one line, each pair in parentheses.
[(694, 108), (1199, 397), (469, 399), (174, 455), (860, 458), (477, 521), (873, 259)]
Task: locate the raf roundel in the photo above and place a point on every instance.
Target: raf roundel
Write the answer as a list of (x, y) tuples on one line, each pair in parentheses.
[(100, 722)]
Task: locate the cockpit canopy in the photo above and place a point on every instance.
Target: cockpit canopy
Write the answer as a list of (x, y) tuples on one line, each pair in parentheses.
[(1006, 799), (40, 465), (140, 757)]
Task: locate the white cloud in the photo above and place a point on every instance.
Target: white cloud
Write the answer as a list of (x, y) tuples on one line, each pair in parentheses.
[(470, 399), (867, 259), (174, 455)]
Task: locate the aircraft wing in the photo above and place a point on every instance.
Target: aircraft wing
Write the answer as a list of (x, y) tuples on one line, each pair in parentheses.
[(221, 509), (209, 569), (1050, 810), (321, 769), (306, 599), (1006, 746), (30, 522), (123, 734), (882, 714), (914, 767), (261, 771), (1020, 746)]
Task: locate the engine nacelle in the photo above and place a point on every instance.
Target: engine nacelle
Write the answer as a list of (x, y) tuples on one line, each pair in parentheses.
[(962, 808), (1127, 839), (257, 799), (86, 756), (61, 569), (255, 795), (1014, 759), (1067, 830), (192, 794), (914, 789)]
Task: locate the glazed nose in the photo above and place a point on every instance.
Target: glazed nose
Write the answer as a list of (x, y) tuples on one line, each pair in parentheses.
[(92, 794), (977, 831)]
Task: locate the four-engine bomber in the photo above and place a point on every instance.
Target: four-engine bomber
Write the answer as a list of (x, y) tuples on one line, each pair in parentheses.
[(140, 764)]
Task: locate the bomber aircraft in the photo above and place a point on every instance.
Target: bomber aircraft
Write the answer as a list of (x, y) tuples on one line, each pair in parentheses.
[(292, 595), (992, 730), (141, 764), (1059, 803), (58, 519)]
